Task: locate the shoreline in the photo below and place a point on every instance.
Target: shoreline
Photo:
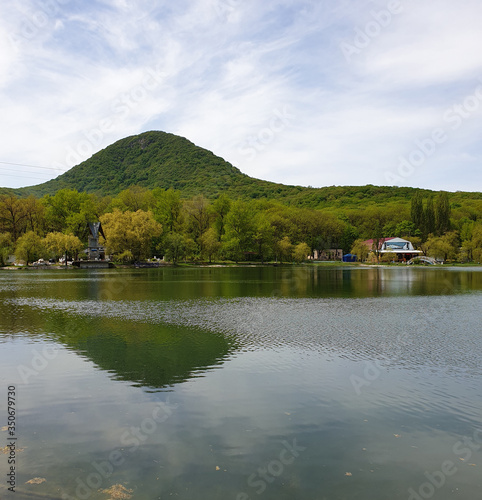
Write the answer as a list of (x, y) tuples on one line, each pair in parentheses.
[(331, 264)]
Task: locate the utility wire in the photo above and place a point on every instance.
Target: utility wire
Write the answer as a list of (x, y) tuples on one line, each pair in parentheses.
[(31, 166), (23, 172), (17, 176)]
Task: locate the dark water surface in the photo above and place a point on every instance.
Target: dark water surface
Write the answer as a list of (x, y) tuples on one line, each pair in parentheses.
[(306, 383)]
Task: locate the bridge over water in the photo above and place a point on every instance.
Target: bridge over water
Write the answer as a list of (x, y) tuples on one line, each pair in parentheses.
[(422, 258)]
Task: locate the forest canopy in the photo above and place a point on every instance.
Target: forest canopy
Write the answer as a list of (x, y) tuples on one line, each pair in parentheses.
[(140, 223)]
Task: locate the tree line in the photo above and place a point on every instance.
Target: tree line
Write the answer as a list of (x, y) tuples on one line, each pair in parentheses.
[(140, 223)]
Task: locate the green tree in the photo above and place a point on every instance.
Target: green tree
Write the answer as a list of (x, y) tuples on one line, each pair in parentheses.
[(406, 229), (390, 229), (13, 215), (198, 217), (471, 249), (318, 229), (442, 247), (360, 249), (263, 235), (301, 252), (6, 245), (239, 230), (168, 209), (69, 211), (29, 247), (63, 244), (284, 249), (416, 241), (210, 244), (416, 210), (389, 257), (133, 231), (220, 209), (466, 230), (174, 246), (134, 198), (429, 217), (349, 236), (477, 243), (35, 219), (377, 240), (466, 253), (126, 257), (442, 213)]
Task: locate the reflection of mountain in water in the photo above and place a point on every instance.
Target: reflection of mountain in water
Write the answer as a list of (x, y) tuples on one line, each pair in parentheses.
[(150, 355), (403, 331)]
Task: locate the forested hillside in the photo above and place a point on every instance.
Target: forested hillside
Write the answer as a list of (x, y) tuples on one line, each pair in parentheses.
[(140, 223), (159, 194), (162, 160)]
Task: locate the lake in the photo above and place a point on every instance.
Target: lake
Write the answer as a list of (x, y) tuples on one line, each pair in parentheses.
[(305, 382)]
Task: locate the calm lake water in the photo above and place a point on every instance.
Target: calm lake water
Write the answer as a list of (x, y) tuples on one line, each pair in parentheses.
[(305, 383)]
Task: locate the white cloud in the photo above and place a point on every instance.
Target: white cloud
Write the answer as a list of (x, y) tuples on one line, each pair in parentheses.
[(228, 67)]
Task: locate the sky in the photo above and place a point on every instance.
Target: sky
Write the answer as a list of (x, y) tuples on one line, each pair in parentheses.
[(305, 92)]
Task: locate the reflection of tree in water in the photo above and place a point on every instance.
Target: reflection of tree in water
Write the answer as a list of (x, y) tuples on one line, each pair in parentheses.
[(153, 355), (149, 355)]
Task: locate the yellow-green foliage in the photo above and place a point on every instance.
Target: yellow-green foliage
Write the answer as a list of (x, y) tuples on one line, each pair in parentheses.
[(209, 210), (60, 244), (30, 246), (301, 252), (132, 231)]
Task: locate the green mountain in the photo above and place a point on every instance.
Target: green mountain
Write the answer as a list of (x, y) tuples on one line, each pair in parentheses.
[(153, 159), (159, 159)]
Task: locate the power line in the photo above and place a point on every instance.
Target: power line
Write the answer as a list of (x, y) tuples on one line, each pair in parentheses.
[(31, 166), (19, 175), (19, 172)]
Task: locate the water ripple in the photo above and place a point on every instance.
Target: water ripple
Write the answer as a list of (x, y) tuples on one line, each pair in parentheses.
[(437, 331)]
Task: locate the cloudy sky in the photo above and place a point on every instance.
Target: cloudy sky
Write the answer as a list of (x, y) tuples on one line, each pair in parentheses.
[(307, 92)]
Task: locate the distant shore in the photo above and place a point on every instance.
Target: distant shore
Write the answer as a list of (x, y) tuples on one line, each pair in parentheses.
[(150, 265)]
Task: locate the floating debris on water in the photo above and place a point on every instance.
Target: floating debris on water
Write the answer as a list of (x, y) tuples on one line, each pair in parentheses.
[(36, 480), (118, 492)]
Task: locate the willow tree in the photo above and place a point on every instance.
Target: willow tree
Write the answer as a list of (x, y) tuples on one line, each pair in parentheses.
[(30, 246), (301, 252), (360, 249), (63, 244), (130, 231)]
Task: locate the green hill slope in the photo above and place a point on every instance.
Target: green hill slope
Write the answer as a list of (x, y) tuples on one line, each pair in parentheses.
[(159, 159), (151, 159)]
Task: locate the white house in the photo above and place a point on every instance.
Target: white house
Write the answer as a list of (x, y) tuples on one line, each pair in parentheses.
[(402, 248)]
